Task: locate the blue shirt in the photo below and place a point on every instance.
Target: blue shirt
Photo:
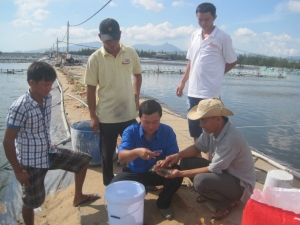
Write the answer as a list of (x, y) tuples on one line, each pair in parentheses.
[(33, 122), (163, 139)]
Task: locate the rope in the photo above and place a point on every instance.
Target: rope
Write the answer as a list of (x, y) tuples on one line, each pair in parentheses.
[(92, 15)]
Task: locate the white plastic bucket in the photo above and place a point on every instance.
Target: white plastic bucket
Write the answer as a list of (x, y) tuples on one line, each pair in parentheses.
[(279, 178), (125, 203)]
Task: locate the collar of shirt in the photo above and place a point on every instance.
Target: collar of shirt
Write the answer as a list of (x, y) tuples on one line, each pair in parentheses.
[(223, 132), (212, 34), (155, 135), (104, 52), (33, 102)]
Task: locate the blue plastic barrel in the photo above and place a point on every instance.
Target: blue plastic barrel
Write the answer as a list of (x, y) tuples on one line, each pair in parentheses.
[(84, 140)]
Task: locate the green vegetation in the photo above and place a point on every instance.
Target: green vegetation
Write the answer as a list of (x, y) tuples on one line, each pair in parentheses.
[(85, 51), (168, 55), (146, 54), (267, 61)]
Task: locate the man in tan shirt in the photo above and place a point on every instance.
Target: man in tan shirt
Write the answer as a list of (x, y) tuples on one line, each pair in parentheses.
[(110, 69)]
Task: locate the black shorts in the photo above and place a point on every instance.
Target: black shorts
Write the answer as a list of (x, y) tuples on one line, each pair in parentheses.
[(64, 159)]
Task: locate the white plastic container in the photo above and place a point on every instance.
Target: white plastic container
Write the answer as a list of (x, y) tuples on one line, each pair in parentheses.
[(125, 203), (279, 178)]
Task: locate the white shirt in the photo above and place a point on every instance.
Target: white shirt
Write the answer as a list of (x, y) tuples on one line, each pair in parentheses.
[(208, 59)]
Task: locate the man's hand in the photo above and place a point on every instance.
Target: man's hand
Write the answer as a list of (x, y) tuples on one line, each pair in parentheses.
[(95, 125), (145, 153), (168, 173), (169, 161), (179, 90), (23, 177), (175, 173)]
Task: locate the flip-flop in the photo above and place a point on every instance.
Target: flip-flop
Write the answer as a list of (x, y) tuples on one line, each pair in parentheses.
[(228, 209), (200, 199), (90, 198)]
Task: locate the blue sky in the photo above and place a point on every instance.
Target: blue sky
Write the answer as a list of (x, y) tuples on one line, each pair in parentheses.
[(269, 27)]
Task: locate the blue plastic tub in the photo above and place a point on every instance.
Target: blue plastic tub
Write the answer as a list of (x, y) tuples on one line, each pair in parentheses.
[(84, 140)]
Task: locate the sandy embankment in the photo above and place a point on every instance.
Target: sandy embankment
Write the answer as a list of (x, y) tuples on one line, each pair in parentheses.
[(58, 209)]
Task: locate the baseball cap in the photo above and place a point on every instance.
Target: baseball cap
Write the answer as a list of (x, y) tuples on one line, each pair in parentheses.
[(109, 30)]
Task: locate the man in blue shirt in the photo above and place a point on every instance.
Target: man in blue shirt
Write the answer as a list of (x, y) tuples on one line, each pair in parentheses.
[(144, 144)]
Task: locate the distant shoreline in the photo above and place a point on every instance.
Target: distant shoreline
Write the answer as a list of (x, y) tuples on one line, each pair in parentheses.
[(143, 61), (18, 61)]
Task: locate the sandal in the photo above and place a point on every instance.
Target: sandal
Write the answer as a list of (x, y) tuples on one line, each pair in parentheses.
[(224, 213), (200, 199)]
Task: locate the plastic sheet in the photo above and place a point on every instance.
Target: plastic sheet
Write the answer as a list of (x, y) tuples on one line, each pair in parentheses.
[(11, 193)]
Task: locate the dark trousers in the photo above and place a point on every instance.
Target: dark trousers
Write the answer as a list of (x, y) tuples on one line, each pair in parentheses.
[(170, 186), (194, 126), (219, 189), (108, 140)]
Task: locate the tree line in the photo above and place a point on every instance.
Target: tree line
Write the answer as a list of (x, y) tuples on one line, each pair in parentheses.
[(255, 60), (141, 53)]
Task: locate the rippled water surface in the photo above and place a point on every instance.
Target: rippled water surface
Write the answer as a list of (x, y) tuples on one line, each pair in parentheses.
[(266, 108)]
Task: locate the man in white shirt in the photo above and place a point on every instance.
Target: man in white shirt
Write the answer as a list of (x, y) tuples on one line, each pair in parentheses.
[(210, 56)]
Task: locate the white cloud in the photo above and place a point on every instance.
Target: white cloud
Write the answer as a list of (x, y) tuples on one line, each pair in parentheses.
[(149, 34), (76, 34), (294, 5), (41, 14), (265, 43), (24, 23), (36, 30), (163, 31), (245, 35), (60, 33), (25, 34), (281, 49), (27, 7), (244, 32), (181, 3), (148, 5), (113, 4), (222, 27), (283, 37), (158, 34)]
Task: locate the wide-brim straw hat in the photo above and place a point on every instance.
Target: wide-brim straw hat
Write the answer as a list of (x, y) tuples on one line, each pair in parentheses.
[(209, 108)]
